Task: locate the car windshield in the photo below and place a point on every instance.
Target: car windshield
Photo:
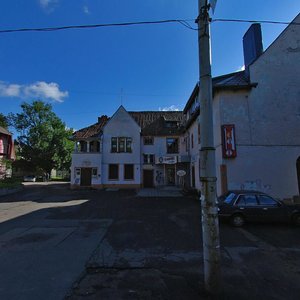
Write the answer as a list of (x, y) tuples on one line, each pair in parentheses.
[(229, 198)]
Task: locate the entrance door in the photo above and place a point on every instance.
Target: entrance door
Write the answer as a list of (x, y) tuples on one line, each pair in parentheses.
[(170, 173), (148, 178), (86, 177)]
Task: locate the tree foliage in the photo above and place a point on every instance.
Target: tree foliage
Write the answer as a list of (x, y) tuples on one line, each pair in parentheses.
[(43, 138), (3, 121)]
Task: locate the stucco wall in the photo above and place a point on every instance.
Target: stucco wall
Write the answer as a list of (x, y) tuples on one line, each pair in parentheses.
[(86, 160), (121, 125), (267, 122)]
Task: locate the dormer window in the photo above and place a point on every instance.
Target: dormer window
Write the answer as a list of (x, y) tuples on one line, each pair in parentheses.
[(171, 124)]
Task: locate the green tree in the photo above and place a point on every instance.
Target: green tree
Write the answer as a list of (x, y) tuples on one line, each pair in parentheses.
[(43, 138), (3, 121)]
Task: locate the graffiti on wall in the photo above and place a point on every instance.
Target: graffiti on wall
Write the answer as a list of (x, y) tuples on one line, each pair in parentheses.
[(256, 184), (159, 177)]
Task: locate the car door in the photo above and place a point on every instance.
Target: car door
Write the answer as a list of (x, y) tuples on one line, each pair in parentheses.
[(247, 205), (272, 210)]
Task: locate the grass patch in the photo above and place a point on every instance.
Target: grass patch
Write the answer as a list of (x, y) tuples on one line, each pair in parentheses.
[(10, 183), (59, 179)]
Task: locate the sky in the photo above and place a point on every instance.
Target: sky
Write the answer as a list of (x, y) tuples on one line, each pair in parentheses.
[(85, 73)]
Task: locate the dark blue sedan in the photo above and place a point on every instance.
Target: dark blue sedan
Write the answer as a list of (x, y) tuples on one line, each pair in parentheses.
[(243, 206)]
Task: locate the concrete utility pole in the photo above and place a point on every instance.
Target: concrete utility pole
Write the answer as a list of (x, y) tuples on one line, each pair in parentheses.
[(210, 224)]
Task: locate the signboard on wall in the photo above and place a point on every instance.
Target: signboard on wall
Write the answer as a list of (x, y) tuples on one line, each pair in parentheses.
[(169, 160), (228, 141)]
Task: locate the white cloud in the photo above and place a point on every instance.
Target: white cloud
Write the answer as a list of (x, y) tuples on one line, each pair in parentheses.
[(86, 10), (170, 108), (48, 5), (9, 90), (39, 89)]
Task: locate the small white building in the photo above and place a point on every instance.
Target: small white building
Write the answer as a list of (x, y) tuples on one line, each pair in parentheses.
[(129, 150)]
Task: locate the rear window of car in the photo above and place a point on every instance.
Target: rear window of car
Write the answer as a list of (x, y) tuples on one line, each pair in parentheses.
[(229, 198), (267, 201)]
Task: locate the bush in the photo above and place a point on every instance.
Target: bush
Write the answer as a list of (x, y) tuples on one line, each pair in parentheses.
[(10, 183)]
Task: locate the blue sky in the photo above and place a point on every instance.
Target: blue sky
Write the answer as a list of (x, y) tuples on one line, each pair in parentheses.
[(87, 73)]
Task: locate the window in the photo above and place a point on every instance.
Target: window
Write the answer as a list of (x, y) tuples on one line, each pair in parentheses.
[(171, 124), (187, 143), (128, 172), (149, 158), (77, 172), (198, 133), (128, 144), (121, 144), (113, 172), (172, 145), (114, 144), (247, 200), (267, 201), (94, 172), (82, 146), (229, 198), (94, 146), (192, 140), (148, 140)]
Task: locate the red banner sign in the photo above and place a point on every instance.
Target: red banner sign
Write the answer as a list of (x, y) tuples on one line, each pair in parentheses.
[(228, 141)]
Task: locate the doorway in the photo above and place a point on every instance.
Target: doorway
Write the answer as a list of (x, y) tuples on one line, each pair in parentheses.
[(148, 178), (86, 177), (170, 174)]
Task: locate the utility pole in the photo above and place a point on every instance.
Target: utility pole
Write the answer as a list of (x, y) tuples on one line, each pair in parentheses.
[(210, 223)]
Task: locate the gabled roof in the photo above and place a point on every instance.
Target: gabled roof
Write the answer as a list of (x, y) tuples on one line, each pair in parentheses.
[(232, 81), (159, 123), (91, 131), (151, 123)]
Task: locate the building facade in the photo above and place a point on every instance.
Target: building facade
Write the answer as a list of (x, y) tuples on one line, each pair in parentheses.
[(130, 150), (256, 117), (7, 153)]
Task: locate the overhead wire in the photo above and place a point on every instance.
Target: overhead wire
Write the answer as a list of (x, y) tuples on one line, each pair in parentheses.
[(183, 22)]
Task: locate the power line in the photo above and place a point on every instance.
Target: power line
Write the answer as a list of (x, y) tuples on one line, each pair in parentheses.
[(45, 29), (255, 21), (183, 22)]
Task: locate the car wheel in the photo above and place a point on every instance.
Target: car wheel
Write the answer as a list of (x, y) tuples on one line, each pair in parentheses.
[(296, 219), (237, 220)]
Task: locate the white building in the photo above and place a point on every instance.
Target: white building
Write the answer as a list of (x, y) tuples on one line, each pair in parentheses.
[(257, 117), (129, 150)]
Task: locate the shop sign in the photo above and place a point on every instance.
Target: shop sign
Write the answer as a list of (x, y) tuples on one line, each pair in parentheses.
[(168, 160), (228, 141)]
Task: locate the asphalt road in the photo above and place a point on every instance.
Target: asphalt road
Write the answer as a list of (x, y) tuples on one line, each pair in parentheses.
[(86, 244)]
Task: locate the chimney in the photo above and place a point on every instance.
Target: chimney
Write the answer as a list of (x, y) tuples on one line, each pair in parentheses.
[(252, 44), (102, 119)]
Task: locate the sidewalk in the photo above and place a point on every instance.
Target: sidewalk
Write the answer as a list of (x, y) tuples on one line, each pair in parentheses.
[(166, 191)]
